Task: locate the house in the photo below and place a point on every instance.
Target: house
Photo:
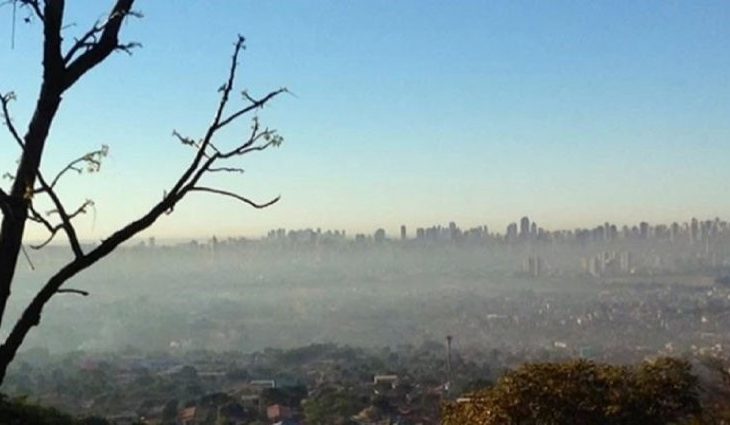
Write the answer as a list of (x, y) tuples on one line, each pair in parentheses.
[(129, 418), (385, 381), (251, 401), (277, 412), (263, 383), (187, 416)]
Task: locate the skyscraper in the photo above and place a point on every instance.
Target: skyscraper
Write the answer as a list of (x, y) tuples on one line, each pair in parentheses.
[(694, 231), (524, 227), (511, 234), (644, 230)]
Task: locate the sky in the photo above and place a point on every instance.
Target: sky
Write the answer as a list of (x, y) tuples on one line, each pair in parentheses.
[(401, 112)]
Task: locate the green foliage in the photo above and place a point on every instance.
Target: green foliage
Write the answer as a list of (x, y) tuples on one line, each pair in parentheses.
[(287, 396), (19, 411), (582, 392), (333, 407)]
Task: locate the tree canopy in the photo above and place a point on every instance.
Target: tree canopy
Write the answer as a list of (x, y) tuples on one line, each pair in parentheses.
[(659, 392)]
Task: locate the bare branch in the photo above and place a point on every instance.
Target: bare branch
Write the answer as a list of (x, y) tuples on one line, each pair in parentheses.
[(86, 41), (206, 141), (226, 170), (67, 226), (257, 104), (79, 210), (271, 143), (128, 47), (5, 208), (5, 100), (27, 257), (184, 140), (91, 38), (4, 201), (234, 196), (248, 148), (92, 160), (203, 162), (38, 218), (34, 6), (50, 237), (73, 291), (108, 41)]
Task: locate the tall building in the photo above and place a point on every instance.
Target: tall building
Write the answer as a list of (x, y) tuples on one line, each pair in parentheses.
[(694, 231), (674, 232), (511, 234), (379, 235), (524, 227), (625, 262), (403, 235), (453, 231), (644, 230), (533, 266)]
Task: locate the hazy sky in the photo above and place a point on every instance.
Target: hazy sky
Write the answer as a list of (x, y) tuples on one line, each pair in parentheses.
[(416, 112)]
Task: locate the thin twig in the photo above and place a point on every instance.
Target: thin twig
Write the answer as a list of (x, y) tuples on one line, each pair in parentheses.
[(256, 105), (226, 170), (65, 218), (235, 196), (72, 291), (5, 100), (27, 257)]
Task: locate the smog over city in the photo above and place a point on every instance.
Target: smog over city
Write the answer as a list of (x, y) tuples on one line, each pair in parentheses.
[(346, 213), (613, 290)]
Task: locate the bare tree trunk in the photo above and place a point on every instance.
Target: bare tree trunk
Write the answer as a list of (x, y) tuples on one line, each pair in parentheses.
[(60, 72), (13, 224)]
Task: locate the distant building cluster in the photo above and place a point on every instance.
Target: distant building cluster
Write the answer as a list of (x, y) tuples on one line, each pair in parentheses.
[(609, 263), (694, 232), (534, 266)]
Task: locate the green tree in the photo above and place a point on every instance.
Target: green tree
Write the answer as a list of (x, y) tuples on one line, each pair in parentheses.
[(581, 392), (334, 406), (169, 412), (19, 412)]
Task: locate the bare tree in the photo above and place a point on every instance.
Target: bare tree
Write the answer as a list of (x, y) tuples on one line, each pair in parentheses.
[(64, 66)]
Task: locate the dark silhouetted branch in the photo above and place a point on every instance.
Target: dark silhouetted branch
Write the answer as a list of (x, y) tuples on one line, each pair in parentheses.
[(206, 141), (255, 105), (86, 42), (4, 202), (50, 237), (5, 100), (66, 224), (38, 218), (234, 196), (227, 170), (204, 161), (184, 140), (32, 5), (92, 160), (27, 257), (73, 291), (57, 77), (97, 51)]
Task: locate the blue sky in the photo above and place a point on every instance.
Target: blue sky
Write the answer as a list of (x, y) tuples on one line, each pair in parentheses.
[(415, 112)]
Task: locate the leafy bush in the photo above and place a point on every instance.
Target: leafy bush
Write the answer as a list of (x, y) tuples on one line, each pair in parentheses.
[(581, 392)]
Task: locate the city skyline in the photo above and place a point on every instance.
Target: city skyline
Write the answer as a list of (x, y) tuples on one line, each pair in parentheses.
[(415, 112), (692, 229)]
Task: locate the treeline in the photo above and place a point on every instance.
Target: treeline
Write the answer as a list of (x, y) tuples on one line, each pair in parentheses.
[(659, 392)]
